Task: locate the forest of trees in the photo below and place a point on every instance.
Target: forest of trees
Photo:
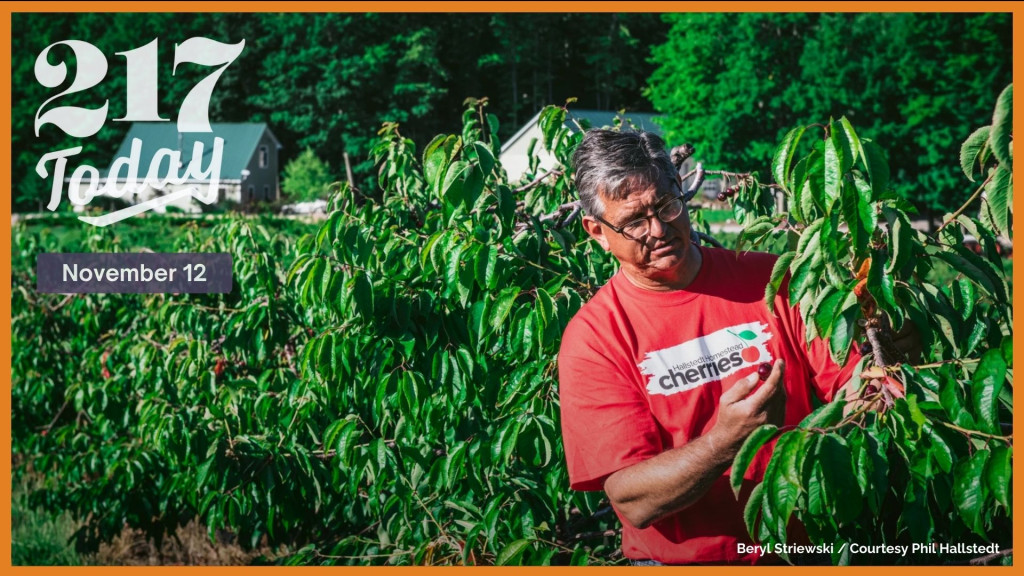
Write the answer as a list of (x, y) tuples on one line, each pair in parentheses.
[(729, 83), (328, 81), (917, 84)]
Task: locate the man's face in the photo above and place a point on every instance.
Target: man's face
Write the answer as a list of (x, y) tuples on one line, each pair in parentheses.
[(665, 259)]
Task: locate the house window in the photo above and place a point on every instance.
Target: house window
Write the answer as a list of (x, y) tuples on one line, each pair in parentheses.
[(264, 157), (250, 193), (266, 192)]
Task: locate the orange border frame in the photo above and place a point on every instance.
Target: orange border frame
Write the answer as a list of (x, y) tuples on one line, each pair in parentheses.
[(1016, 8)]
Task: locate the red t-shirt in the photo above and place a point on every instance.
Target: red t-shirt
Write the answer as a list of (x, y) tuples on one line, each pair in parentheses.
[(641, 372)]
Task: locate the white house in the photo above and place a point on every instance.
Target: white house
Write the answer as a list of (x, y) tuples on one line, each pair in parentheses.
[(514, 152)]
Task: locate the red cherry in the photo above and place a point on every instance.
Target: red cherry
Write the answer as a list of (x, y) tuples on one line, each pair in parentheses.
[(764, 370), (722, 197), (750, 354)]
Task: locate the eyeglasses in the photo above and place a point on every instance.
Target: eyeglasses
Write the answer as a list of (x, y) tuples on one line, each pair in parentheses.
[(638, 229)]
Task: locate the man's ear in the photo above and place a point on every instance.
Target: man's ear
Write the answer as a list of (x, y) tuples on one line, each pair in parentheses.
[(596, 230)]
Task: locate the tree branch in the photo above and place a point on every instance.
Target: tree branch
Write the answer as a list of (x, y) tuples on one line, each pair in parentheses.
[(955, 215), (537, 182), (710, 240)]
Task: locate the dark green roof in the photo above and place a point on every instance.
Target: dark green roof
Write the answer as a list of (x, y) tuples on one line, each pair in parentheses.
[(600, 118), (240, 141)]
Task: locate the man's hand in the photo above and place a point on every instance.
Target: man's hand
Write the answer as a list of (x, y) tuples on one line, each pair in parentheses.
[(743, 408), (669, 482)]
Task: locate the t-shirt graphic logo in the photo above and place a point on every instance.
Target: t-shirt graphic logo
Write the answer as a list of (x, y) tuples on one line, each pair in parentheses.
[(706, 359)]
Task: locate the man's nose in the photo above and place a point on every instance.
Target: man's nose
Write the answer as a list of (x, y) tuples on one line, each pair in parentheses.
[(657, 227)]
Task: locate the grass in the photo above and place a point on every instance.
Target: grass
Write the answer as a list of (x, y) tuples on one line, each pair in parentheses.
[(40, 537), (43, 538), (156, 232), (714, 216)]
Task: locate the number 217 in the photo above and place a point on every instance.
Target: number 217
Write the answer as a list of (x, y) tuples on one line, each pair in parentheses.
[(141, 91)]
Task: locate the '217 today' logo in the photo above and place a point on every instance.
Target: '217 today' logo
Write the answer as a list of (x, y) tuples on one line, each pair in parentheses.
[(141, 93)]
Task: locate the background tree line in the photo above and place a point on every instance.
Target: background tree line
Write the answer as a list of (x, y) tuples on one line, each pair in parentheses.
[(729, 83), (328, 81), (733, 84)]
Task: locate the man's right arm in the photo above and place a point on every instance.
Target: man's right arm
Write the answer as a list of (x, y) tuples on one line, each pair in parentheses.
[(673, 480)]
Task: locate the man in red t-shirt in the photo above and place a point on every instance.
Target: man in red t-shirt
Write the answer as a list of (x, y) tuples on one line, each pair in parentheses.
[(658, 371)]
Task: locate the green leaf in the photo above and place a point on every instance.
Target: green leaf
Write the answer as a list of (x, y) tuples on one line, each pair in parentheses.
[(485, 156), (784, 156), (580, 556), (964, 297), (478, 321), (486, 264), (878, 168), (833, 173), (825, 311), (1002, 128), (939, 449), (975, 269), (951, 399), (915, 515), (840, 481), (865, 209), (998, 474), (969, 490), (795, 191), (972, 149), (436, 157), (778, 275), (851, 203), (756, 231), (502, 306), (856, 148), (805, 277), (453, 263), (882, 286), (999, 196), (545, 307), (780, 492), (810, 239), (986, 385), (751, 508), (750, 447), (363, 292), (825, 416), (451, 188), (816, 504), (810, 188), (331, 434), (512, 553), (901, 243), (551, 121), (843, 329)]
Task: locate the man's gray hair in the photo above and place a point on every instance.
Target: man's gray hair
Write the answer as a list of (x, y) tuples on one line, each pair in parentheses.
[(613, 164)]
